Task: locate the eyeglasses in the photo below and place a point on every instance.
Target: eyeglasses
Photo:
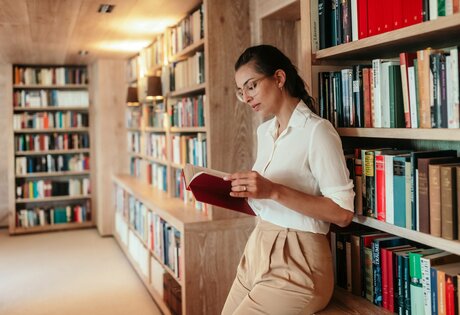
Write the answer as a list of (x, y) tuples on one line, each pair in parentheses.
[(250, 89)]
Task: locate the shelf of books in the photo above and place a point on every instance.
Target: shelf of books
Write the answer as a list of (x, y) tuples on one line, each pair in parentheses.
[(398, 117), (51, 138), (176, 243)]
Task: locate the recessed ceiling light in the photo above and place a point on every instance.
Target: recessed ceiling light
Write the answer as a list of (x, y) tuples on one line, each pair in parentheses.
[(83, 52), (106, 8)]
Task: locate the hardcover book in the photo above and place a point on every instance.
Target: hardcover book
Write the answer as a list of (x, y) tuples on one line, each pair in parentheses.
[(209, 186)]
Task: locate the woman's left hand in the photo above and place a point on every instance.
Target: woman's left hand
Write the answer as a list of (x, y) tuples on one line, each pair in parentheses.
[(250, 184)]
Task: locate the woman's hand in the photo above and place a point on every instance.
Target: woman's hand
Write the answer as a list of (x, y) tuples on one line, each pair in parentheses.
[(251, 184)]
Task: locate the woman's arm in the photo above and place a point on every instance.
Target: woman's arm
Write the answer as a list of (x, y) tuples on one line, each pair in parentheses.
[(253, 185)]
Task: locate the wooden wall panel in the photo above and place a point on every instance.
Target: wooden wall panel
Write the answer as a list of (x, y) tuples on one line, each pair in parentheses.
[(212, 253), (6, 144), (108, 136)]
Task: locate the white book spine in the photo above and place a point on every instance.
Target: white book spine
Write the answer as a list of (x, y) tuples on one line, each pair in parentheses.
[(389, 197), (412, 98)]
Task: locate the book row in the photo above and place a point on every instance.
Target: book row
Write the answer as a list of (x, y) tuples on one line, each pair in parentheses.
[(38, 189), (416, 190), (55, 141), (179, 191), (52, 163), (183, 74), (53, 215), (49, 120), (397, 274), (149, 57), (149, 172), (344, 21), (418, 90), (50, 76), (153, 145), (187, 32), (188, 112), (157, 116), (157, 235), (45, 98), (190, 148), (164, 284)]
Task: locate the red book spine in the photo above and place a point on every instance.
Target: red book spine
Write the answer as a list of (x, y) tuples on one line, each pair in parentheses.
[(391, 274), (362, 19), (380, 187), (398, 14), (387, 17), (385, 275), (371, 17), (450, 308)]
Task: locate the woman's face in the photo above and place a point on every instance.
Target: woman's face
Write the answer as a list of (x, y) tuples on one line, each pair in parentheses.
[(257, 90)]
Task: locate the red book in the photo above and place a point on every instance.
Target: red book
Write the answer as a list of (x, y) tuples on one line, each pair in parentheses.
[(412, 12), (406, 60), (208, 186), (372, 17), (362, 19), (398, 14), (380, 187), (450, 294), (387, 16), (385, 276)]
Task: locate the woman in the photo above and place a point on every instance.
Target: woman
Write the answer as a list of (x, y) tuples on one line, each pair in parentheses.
[(298, 186)]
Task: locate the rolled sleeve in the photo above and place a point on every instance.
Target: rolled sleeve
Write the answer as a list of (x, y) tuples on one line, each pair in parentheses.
[(328, 166)]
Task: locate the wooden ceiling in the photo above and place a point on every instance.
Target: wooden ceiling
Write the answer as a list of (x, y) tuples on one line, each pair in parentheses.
[(53, 31)]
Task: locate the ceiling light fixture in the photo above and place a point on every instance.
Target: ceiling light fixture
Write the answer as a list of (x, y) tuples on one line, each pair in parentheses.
[(106, 8), (83, 52)]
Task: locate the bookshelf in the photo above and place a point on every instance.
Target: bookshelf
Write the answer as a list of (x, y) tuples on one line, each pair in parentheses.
[(299, 45), (51, 144), (199, 103)]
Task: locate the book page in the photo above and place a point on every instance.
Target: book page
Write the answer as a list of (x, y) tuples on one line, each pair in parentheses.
[(192, 171)]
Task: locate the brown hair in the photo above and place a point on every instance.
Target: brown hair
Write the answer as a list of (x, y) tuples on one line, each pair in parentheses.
[(267, 59)]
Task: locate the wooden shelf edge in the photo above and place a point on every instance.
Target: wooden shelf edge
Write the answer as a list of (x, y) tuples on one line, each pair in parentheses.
[(344, 302), (48, 228), (51, 108), (40, 86), (170, 209), (69, 151), (188, 51), (154, 294), (434, 29), (402, 133), (49, 130), (54, 174), (188, 129), (423, 238), (56, 198), (189, 90)]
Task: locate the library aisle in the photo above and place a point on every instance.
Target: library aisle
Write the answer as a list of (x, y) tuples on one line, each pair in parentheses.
[(72, 272)]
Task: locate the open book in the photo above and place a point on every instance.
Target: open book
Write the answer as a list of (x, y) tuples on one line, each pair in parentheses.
[(208, 186)]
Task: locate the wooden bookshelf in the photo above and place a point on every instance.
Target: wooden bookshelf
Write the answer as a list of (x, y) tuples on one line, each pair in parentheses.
[(35, 97), (211, 239), (286, 24), (437, 34)]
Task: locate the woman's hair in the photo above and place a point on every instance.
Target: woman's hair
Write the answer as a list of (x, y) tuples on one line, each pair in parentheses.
[(267, 59)]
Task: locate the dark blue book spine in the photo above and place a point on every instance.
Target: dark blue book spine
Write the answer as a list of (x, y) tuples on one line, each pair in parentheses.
[(434, 291)]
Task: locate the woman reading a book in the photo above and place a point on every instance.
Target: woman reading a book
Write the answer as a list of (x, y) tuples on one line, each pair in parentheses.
[(299, 184)]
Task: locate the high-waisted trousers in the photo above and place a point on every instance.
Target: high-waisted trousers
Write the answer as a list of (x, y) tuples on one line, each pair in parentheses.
[(282, 272)]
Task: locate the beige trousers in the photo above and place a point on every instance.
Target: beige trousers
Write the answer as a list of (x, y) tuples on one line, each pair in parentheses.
[(282, 272)]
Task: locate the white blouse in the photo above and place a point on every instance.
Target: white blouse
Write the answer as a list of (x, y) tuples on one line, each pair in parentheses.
[(307, 156)]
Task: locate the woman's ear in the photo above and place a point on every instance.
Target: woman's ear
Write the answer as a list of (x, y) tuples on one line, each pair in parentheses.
[(280, 77)]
